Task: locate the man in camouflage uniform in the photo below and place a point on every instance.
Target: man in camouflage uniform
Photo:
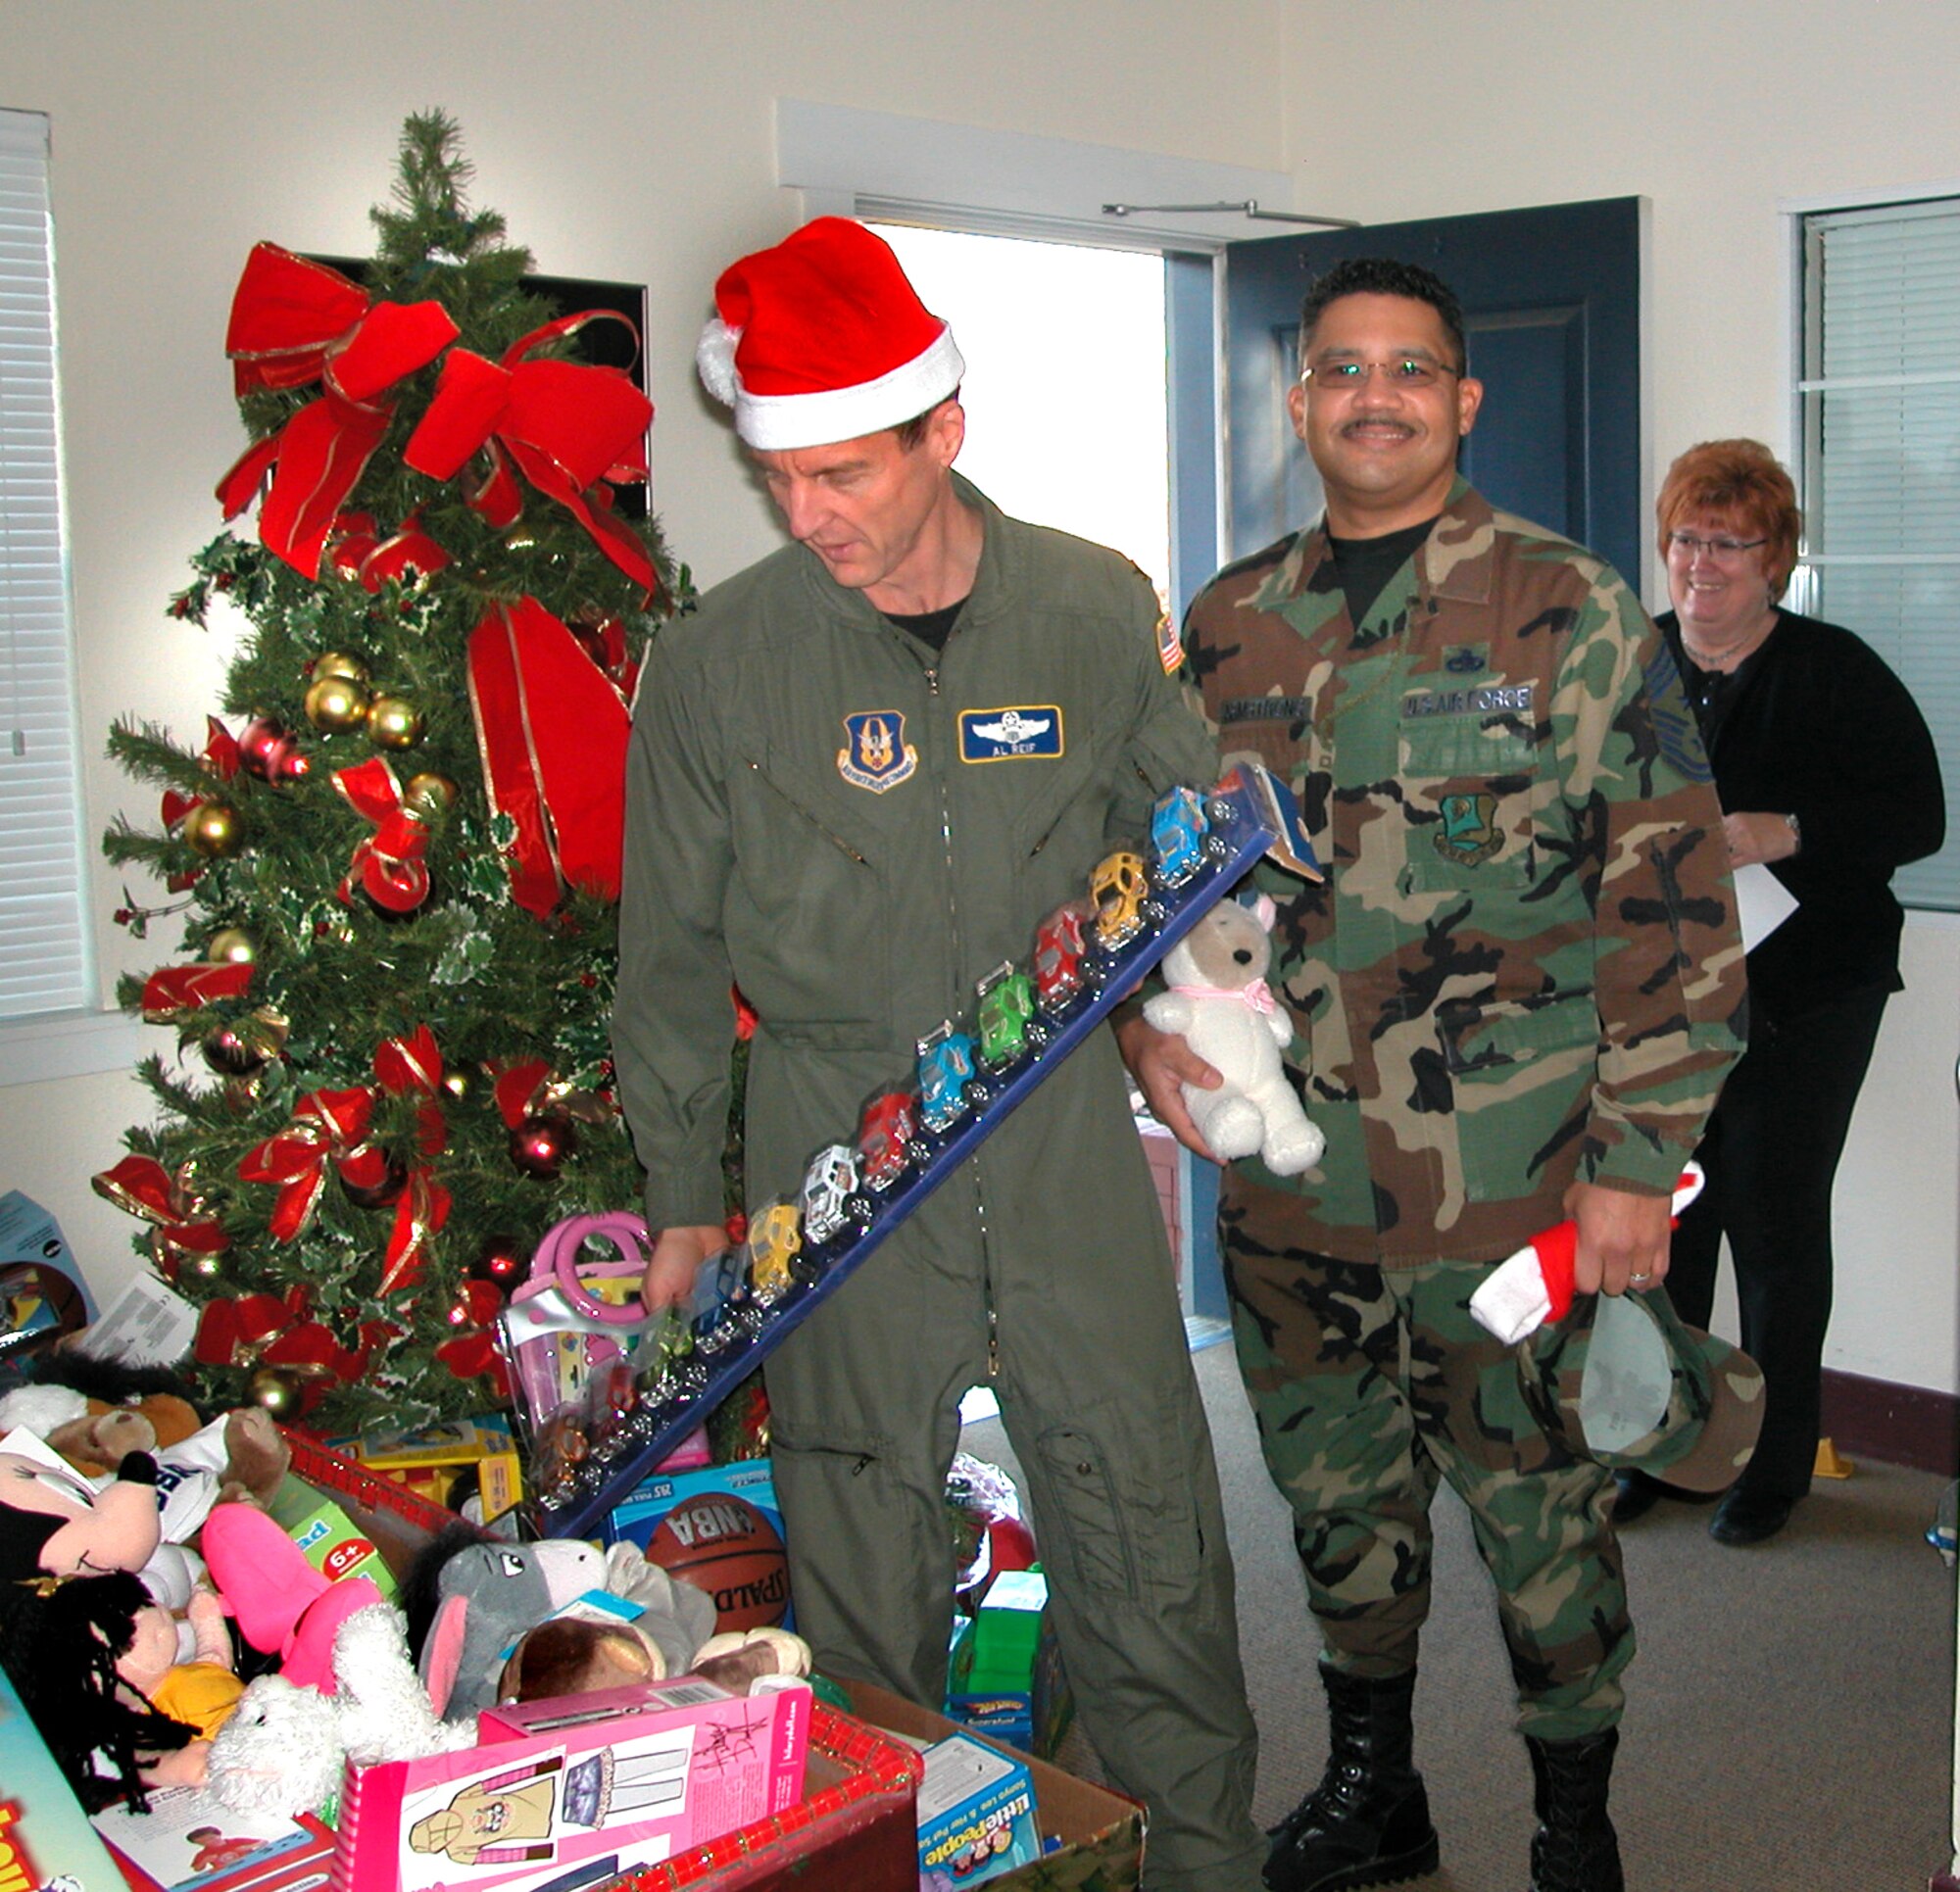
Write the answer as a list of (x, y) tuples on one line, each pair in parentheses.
[(1513, 999)]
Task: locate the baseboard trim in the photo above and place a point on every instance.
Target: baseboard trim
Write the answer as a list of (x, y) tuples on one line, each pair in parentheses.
[(1910, 1425)]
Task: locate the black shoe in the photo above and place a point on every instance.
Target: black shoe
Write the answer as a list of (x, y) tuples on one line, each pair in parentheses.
[(1367, 1823), (1635, 1495), (1748, 1516), (1575, 1848)]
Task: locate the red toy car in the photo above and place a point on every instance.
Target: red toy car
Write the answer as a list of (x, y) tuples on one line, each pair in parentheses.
[(1059, 943), (885, 1135)]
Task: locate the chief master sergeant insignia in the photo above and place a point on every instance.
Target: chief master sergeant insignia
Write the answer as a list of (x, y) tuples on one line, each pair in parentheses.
[(999, 735), (1466, 834), (877, 755)]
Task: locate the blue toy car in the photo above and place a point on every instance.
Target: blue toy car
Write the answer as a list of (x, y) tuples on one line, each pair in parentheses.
[(945, 1070), (1178, 828)]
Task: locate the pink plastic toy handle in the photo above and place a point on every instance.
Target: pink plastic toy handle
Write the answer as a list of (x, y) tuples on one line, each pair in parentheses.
[(558, 1256)]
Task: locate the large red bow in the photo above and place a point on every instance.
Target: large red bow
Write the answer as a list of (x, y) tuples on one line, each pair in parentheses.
[(276, 1330), (140, 1185), (326, 1125), (293, 323), (566, 425), (552, 728), (389, 861)]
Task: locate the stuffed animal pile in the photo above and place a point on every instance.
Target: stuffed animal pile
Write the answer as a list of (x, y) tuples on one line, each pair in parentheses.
[(164, 1631)]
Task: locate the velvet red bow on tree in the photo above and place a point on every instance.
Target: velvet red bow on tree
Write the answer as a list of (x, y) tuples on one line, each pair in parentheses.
[(173, 990), (356, 550), (251, 1331), (552, 728), (405, 1066), (140, 1185), (328, 1126), (294, 322), (389, 862), (566, 426), (220, 760)]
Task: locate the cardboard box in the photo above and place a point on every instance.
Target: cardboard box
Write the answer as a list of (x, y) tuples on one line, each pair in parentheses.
[(976, 1812), (1096, 1835)]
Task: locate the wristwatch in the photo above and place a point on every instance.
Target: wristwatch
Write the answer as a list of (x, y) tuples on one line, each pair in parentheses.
[(1796, 831)]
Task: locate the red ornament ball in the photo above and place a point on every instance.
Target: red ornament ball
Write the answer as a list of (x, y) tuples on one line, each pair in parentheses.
[(541, 1146), (503, 1262)]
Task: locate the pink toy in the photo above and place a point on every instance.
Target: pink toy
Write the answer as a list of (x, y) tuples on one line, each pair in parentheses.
[(284, 1606)]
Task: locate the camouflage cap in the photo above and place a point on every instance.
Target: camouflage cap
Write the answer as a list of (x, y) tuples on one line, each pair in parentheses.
[(1625, 1381)]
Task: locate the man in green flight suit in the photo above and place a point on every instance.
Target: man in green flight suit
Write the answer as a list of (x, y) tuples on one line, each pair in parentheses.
[(1514, 1000), (859, 776)]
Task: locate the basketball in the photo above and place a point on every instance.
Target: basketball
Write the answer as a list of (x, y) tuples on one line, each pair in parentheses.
[(722, 1544)]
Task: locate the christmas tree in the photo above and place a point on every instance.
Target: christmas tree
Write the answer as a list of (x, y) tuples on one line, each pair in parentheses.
[(398, 853)]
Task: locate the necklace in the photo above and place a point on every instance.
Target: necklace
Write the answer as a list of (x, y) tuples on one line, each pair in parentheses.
[(1730, 655)]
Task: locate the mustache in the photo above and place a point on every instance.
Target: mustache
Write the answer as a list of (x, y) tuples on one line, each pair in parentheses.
[(1374, 420)]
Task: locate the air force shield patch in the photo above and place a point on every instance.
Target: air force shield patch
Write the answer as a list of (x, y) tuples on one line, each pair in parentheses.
[(876, 755)]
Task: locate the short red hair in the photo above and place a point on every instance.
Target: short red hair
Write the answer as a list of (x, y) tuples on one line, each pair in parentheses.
[(1745, 482)]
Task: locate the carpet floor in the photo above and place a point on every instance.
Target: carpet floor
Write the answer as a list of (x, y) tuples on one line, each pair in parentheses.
[(1790, 1719)]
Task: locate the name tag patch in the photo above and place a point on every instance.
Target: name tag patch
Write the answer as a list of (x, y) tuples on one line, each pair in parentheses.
[(1264, 709), (1491, 700), (1029, 731), (876, 755)]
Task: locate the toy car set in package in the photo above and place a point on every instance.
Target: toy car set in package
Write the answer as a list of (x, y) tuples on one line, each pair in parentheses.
[(605, 1392)]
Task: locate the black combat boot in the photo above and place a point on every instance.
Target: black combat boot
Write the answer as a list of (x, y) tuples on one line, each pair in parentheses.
[(1575, 1848), (1367, 1823)]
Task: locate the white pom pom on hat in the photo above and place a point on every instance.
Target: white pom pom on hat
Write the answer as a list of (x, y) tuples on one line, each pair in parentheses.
[(823, 339)]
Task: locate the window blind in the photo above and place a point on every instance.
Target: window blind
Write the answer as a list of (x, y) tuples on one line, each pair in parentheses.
[(43, 944), (1880, 409)]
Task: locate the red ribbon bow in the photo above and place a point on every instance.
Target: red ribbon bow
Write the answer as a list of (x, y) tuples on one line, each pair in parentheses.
[(568, 426), (552, 728), (219, 758), (140, 1185), (327, 1126), (356, 551), (293, 323), (405, 1065), (173, 990), (389, 861), (274, 1331)]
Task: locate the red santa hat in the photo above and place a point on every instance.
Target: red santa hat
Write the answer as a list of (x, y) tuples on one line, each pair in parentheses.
[(823, 339)]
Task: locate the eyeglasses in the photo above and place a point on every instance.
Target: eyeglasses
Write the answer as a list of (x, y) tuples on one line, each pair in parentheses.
[(1405, 371), (1724, 551)]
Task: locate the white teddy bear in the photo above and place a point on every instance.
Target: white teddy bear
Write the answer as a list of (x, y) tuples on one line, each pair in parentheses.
[(1218, 1002)]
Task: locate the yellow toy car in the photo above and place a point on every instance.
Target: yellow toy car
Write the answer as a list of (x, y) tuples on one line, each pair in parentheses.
[(1119, 887)]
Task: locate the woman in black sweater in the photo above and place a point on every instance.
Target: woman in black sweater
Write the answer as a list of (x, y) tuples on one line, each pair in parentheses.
[(1827, 775)]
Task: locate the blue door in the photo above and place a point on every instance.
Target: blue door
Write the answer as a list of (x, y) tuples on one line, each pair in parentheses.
[(1551, 301)]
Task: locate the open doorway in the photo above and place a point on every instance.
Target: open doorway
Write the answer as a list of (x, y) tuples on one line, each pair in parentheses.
[(1066, 389)]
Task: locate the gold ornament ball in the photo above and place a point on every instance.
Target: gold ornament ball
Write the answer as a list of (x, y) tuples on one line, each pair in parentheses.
[(429, 795), (205, 1267), (213, 830), (336, 704), (394, 722), (520, 538), (276, 1389), (337, 663), (230, 945)]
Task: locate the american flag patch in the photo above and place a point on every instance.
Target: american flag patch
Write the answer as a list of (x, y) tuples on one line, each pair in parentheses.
[(1170, 647)]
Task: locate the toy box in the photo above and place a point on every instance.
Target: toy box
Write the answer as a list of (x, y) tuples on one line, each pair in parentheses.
[(977, 1814), (1091, 1838), (431, 1461), (1004, 1676), (334, 1545), (721, 1529), (45, 1838)]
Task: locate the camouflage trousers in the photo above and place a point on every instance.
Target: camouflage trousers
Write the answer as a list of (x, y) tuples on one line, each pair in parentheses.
[(1369, 1387)]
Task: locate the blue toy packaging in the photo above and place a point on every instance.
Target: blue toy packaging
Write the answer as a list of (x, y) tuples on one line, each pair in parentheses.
[(721, 1529)]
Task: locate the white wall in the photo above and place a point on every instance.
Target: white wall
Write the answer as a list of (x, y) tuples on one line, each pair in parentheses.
[(631, 139), (1719, 115), (622, 139)]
